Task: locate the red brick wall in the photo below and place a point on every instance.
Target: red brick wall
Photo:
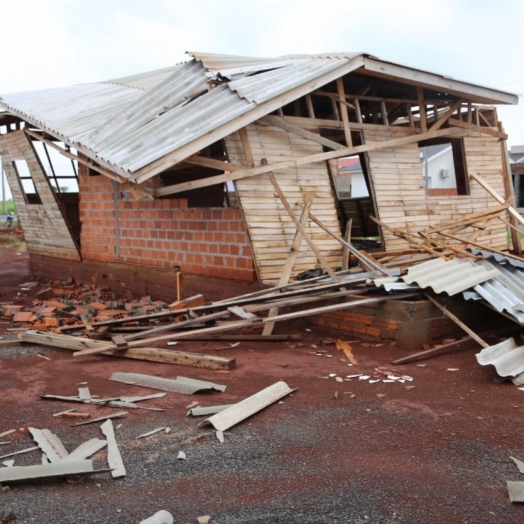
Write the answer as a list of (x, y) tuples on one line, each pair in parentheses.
[(163, 233)]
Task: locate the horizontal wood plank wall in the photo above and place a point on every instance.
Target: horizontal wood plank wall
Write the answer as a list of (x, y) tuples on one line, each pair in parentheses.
[(398, 182), (270, 228), (45, 229)]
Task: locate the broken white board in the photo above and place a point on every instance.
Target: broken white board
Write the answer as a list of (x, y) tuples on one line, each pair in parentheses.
[(519, 464), (56, 469), (114, 459), (149, 433), (85, 450), (8, 432), (27, 450), (84, 394), (181, 456), (249, 406), (160, 517), (516, 491), (203, 411), (187, 386), (8, 463), (50, 444), (99, 419)]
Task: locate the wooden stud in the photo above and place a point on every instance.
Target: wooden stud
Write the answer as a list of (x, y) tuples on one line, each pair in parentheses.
[(344, 111), (422, 110)]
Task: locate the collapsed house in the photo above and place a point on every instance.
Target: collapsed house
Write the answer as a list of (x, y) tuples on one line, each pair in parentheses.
[(210, 168)]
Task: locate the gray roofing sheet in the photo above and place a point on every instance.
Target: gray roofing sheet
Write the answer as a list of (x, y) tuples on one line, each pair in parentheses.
[(449, 276), (500, 297), (516, 262), (507, 357), (130, 122)]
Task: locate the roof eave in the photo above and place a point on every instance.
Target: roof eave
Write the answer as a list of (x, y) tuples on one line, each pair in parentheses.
[(409, 75)]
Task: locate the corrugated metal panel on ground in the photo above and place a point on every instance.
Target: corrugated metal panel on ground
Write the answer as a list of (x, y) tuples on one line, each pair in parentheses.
[(451, 276), (507, 357)]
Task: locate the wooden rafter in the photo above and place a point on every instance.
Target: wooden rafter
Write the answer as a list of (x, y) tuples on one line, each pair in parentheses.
[(299, 131), (213, 163), (492, 131), (447, 115)]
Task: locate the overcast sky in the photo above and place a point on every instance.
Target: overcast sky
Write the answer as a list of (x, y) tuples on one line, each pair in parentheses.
[(50, 43)]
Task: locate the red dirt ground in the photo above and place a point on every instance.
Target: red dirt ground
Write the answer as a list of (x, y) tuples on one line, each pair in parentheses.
[(380, 453)]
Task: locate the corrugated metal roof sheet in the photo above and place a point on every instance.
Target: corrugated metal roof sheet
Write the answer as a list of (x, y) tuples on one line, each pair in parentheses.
[(128, 123), (450, 276), (507, 357), (498, 257)]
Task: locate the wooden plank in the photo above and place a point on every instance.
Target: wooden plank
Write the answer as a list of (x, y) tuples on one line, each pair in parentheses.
[(213, 163), (179, 358), (457, 321), (422, 109), (492, 131), (344, 111), (292, 128), (430, 352)]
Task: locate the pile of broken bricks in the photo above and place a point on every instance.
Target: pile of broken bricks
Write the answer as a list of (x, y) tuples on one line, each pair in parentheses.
[(65, 304)]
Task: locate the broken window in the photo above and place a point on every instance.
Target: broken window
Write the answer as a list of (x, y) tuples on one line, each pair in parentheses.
[(444, 167), (27, 185)]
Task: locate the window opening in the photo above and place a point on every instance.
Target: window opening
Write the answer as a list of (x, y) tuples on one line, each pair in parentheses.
[(443, 167), (26, 182)]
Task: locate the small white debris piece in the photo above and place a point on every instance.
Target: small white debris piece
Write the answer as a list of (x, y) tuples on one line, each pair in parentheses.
[(8, 463), (206, 519), (114, 459), (160, 517), (192, 405), (173, 343), (516, 491), (332, 375), (407, 377), (387, 380), (220, 436), (354, 376), (181, 456), (84, 394), (401, 380), (329, 356), (314, 346), (374, 380), (8, 432), (350, 365), (393, 377), (307, 329), (421, 365), (119, 426), (452, 369), (149, 433), (81, 383), (168, 430), (519, 464), (339, 379), (85, 450), (364, 377), (4, 443), (49, 443)]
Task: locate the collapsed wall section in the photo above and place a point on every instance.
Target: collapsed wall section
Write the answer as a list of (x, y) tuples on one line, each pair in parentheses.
[(46, 231)]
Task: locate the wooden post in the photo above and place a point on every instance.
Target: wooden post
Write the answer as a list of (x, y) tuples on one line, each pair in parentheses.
[(345, 251), (344, 111), (422, 110)]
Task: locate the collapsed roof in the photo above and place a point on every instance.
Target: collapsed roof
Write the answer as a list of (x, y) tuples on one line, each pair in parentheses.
[(140, 125)]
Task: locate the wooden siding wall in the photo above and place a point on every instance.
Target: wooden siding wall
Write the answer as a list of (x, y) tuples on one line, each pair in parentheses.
[(398, 182), (270, 228), (45, 229)]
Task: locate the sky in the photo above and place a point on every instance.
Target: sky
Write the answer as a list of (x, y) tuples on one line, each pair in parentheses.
[(51, 43)]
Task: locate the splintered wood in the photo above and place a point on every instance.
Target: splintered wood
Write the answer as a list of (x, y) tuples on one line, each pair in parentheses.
[(347, 349)]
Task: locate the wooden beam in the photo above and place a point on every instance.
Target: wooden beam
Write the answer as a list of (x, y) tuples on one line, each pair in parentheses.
[(290, 262), (447, 115), (428, 352), (496, 196), (344, 111), (319, 157), (213, 163), (344, 266), (167, 356), (492, 131), (292, 128), (248, 153), (422, 110), (85, 161), (457, 321)]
